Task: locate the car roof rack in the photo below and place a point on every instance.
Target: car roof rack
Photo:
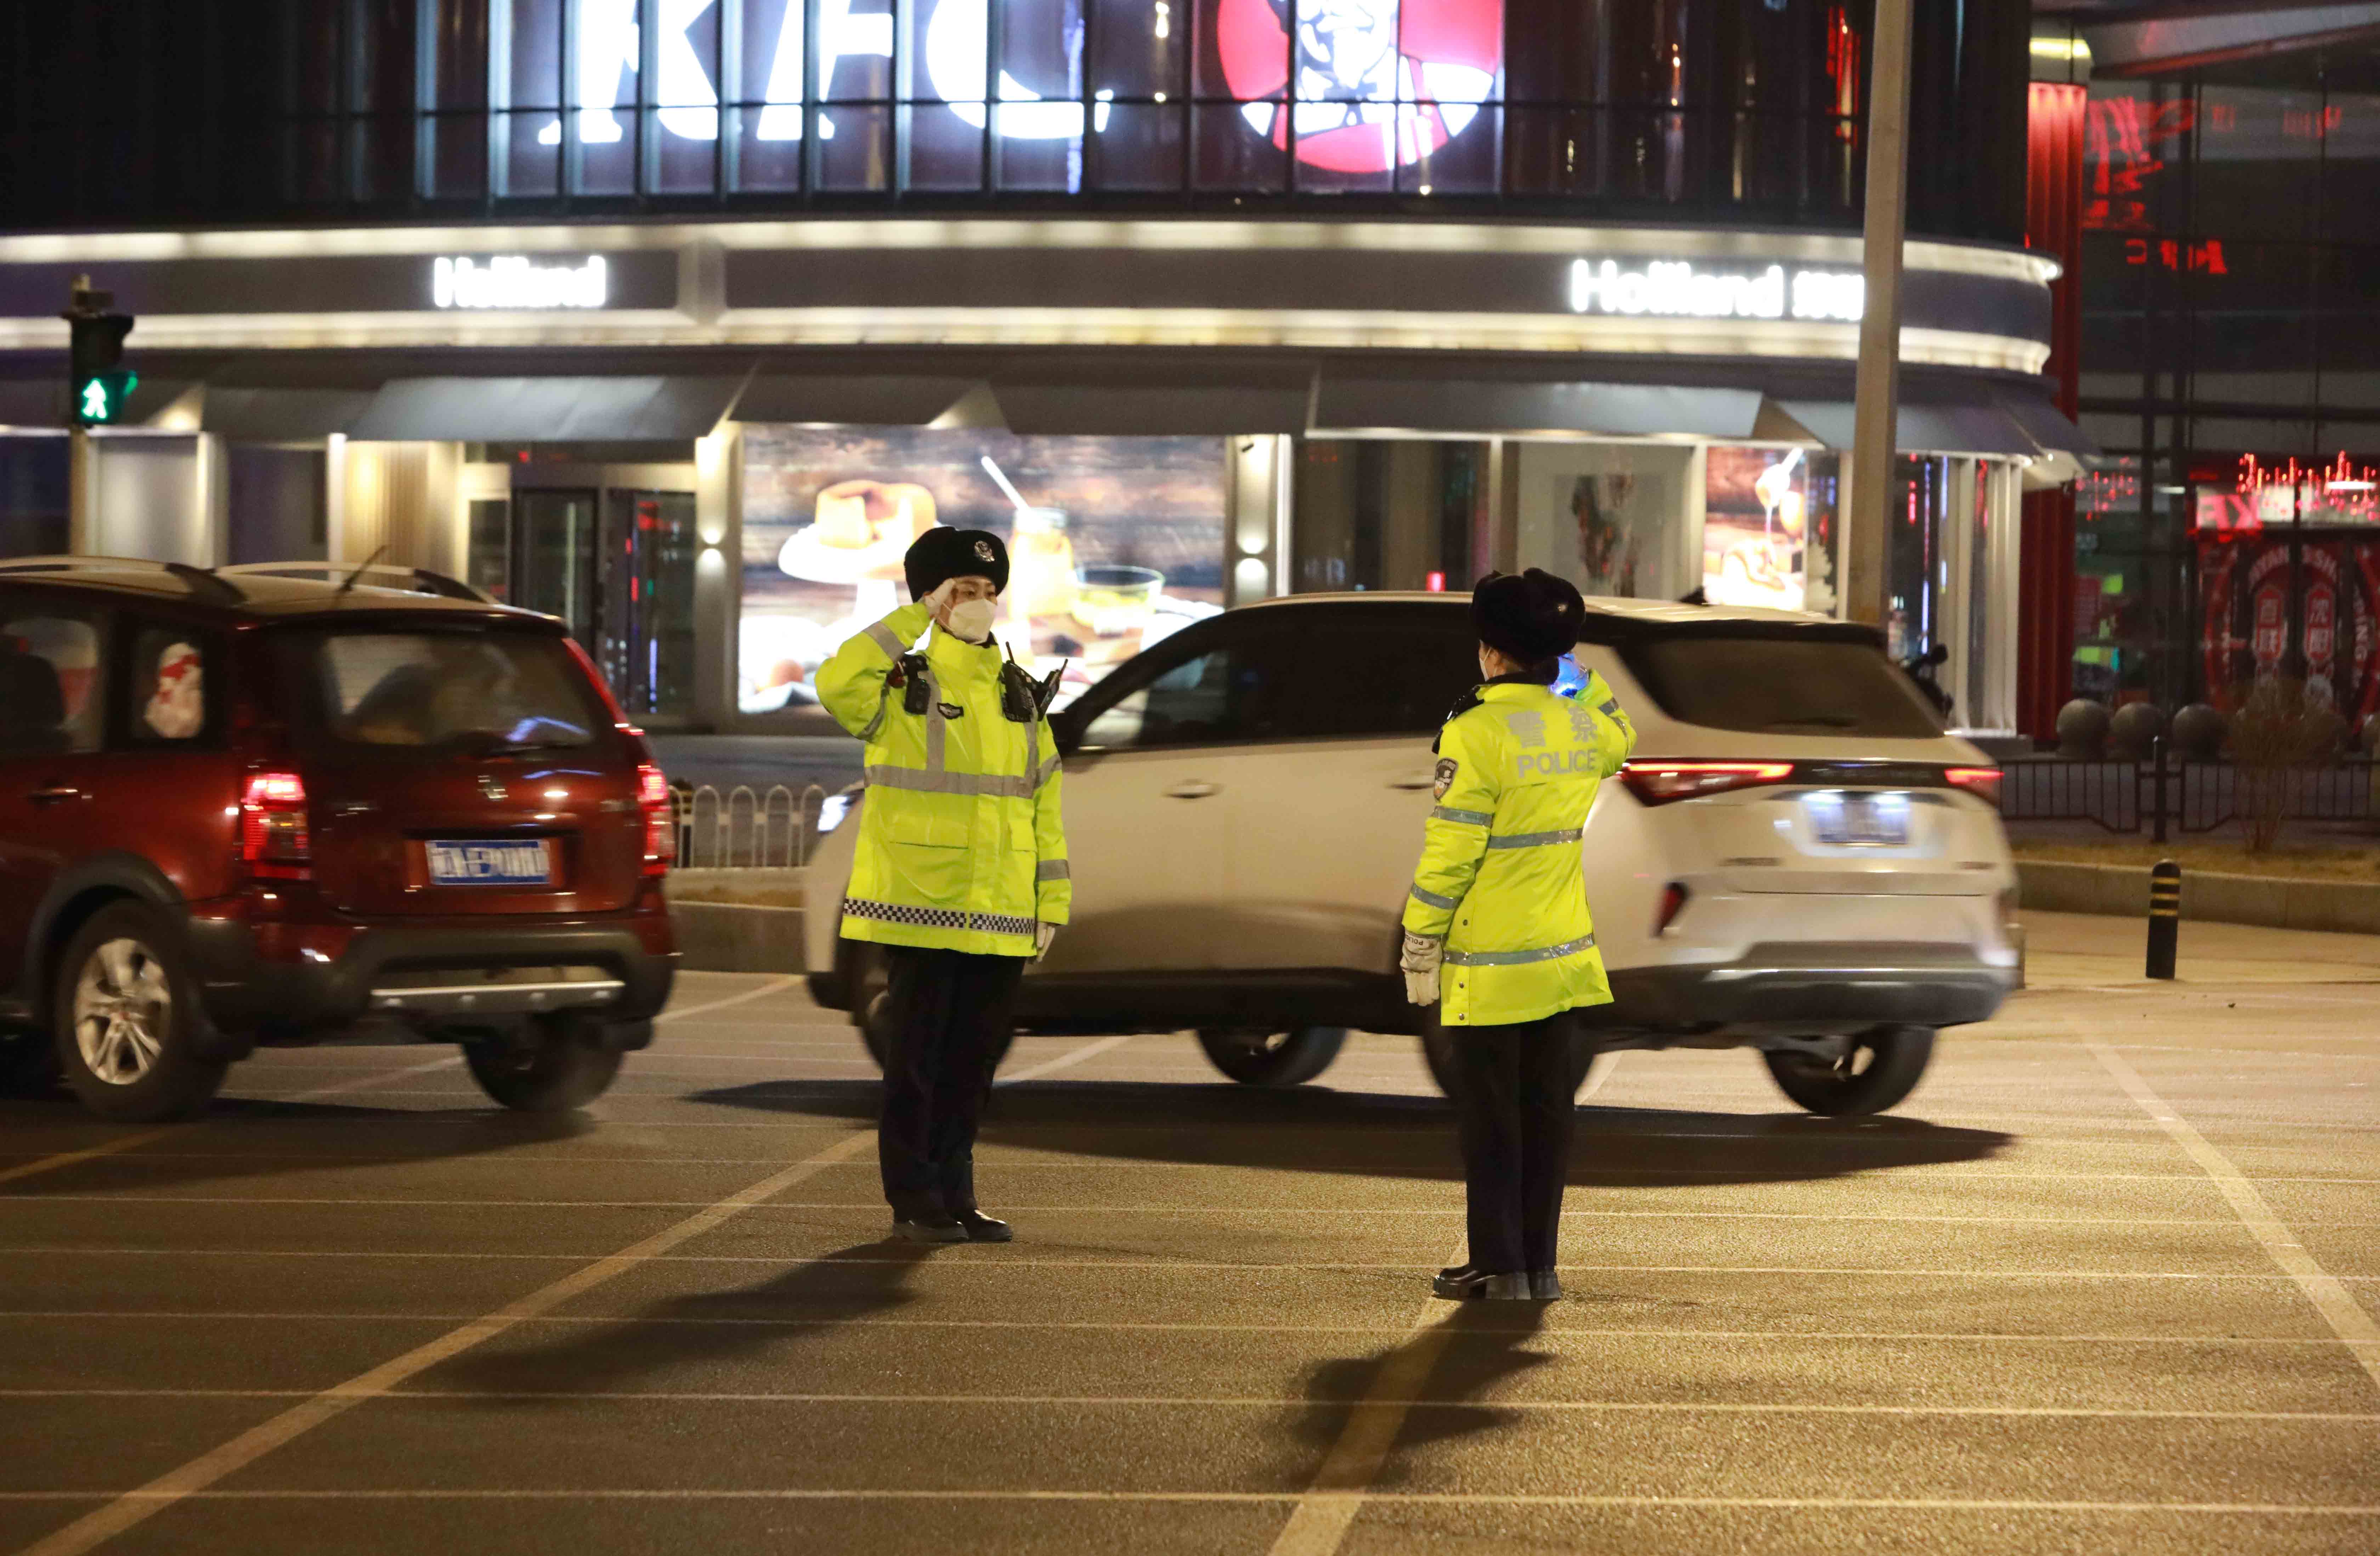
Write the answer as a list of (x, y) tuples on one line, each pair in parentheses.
[(413, 580), (201, 580)]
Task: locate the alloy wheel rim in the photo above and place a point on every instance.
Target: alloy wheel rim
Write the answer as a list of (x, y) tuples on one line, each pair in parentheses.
[(122, 1005)]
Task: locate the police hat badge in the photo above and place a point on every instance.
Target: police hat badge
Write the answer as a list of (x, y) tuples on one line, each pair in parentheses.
[(983, 550)]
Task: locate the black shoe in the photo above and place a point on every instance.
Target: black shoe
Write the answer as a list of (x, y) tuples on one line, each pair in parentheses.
[(1463, 1283), (980, 1228), (929, 1226), (1545, 1286)]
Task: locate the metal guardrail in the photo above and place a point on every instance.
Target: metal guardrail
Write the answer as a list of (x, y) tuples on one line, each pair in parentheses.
[(775, 827), (2131, 796)]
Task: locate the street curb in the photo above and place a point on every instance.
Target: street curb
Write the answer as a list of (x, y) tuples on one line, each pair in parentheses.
[(737, 937), (2276, 902)]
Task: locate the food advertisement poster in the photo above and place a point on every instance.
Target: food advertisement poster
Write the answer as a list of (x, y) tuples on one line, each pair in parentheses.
[(1114, 542), (1763, 509)]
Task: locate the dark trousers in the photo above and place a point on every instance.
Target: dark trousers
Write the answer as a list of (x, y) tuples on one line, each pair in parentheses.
[(1519, 1093), (950, 1024)]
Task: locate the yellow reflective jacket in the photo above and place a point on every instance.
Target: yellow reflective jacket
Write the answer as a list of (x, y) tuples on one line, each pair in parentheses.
[(960, 844), (1501, 878)]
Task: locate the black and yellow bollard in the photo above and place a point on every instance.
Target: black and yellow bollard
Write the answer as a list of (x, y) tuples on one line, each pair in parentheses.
[(2164, 917)]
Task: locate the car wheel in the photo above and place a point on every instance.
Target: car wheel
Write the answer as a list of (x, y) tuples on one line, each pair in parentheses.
[(558, 1066), (1437, 1050), (122, 1014), (1256, 1058), (1881, 1066)]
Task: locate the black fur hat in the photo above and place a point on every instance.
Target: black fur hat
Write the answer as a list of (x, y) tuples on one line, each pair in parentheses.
[(943, 554), (1528, 617)]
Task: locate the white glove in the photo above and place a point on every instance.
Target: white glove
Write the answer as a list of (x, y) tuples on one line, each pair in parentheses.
[(937, 603), (1419, 963), (1042, 935)]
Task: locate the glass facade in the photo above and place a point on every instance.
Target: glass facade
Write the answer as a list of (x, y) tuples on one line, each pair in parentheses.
[(1745, 109), (2231, 367)]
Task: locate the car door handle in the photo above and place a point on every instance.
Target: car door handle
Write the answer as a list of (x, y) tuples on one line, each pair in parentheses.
[(55, 793), (1414, 781), (1196, 788)]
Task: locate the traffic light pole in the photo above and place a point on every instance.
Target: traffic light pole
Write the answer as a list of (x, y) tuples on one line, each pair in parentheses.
[(1866, 539), (82, 493)]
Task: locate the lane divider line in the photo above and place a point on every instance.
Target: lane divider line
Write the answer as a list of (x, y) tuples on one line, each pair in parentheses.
[(1248, 1499), (1554, 1332), (1318, 1526), (1067, 1060), (777, 985), (200, 1474), (133, 1142), (1237, 1402), (2328, 1293), (72, 1251)]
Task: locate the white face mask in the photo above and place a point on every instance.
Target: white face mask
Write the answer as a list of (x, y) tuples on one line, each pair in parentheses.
[(971, 619)]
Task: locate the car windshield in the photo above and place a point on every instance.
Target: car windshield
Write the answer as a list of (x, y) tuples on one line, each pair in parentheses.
[(485, 692), (1782, 684)]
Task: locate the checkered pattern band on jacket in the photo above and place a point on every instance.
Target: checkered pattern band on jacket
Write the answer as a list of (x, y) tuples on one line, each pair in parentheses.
[(936, 917)]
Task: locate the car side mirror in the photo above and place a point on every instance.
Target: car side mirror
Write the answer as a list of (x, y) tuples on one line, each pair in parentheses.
[(1066, 729)]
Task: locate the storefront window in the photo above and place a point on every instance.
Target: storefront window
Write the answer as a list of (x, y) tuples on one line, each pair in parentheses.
[(1114, 543), (1610, 516), (1769, 527), (1375, 513)]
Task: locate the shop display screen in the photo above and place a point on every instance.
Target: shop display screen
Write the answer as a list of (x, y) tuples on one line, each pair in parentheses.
[(1114, 542)]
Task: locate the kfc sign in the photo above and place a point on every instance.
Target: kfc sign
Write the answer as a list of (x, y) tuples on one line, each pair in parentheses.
[(1375, 83)]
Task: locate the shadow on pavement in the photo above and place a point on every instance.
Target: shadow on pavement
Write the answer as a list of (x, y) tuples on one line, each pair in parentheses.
[(1362, 1134), (379, 1137), (1486, 1344), (857, 1282)]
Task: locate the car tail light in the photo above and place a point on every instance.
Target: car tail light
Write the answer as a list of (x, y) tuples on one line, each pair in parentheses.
[(273, 838), (660, 826), (1984, 782), (1674, 897), (1662, 782)]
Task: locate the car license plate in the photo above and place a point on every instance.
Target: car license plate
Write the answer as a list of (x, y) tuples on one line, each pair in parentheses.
[(1870, 821), (492, 864)]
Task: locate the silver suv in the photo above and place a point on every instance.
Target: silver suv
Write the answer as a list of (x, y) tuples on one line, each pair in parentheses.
[(1797, 859)]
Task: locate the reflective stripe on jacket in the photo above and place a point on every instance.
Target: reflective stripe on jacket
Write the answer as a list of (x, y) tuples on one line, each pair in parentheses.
[(960, 844), (1501, 879)]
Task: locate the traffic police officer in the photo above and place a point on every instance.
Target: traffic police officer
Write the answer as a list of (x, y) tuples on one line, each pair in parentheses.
[(1496, 929), (961, 873)]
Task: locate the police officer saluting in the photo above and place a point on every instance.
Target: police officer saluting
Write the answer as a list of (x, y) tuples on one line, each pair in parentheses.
[(961, 873), (1497, 930)]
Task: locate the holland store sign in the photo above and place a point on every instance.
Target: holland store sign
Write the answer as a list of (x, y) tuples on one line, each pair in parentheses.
[(515, 282), (1675, 289)]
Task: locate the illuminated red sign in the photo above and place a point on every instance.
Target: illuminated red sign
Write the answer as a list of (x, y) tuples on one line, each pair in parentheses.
[(1379, 83)]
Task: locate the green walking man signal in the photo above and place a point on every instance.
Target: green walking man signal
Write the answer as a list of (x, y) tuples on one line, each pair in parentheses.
[(97, 385)]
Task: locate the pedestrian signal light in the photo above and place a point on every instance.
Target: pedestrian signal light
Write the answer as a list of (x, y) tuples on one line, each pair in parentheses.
[(97, 383)]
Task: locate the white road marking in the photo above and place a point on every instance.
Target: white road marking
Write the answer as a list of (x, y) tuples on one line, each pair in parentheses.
[(132, 1142), (1003, 1262), (872, 1208), (2328, 1293), (1066, 1060), (1319, 1524), (1407, 1498), (202, 1473), (775, 986), (1558, 1331), (1233, 1402)]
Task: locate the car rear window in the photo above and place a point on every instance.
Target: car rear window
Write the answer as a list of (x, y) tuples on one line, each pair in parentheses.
[(1780, 685), (476, 690)]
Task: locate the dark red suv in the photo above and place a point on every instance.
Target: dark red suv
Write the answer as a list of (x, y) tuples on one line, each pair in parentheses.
[(252, 806)]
